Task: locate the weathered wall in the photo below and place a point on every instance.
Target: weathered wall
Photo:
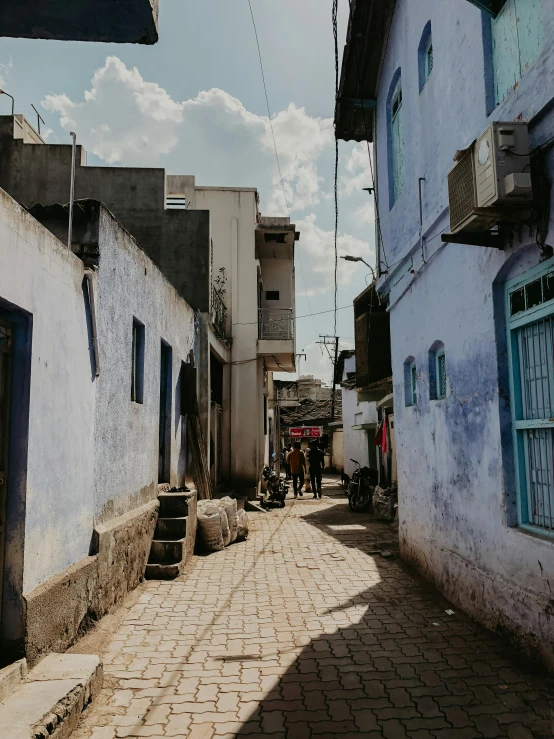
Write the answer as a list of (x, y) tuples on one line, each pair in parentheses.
[(38, 173), (50, 499), (126, 433), (455, 461)]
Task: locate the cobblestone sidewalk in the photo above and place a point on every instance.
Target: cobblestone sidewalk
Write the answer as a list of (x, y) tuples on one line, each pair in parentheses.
[(303, 631)]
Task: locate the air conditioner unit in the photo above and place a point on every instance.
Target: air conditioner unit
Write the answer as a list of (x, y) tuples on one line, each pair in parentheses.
[(490, 183)]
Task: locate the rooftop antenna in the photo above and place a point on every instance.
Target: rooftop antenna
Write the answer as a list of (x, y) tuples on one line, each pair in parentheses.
[(39, 118)]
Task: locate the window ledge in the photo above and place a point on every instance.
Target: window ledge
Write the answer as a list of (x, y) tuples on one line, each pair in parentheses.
[(535, 532)]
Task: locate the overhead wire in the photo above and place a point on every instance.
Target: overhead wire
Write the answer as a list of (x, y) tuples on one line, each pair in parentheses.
[(276, 151), (336, 42), (373, 183)]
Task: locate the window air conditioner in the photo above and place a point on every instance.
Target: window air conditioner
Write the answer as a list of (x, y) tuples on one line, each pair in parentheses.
[(491, 180)]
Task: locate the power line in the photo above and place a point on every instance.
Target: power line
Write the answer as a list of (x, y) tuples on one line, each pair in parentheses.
[(335, 38), (276, 152), (306, 315)]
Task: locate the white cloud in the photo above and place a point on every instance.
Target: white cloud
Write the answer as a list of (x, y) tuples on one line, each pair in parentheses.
[(358, 171), (319, 244), (123, 119), (5, 69)]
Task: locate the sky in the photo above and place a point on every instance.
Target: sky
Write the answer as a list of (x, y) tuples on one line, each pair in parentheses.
[(194, 103)]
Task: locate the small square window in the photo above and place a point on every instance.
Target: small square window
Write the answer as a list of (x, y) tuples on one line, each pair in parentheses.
[(272, 295), (137, 364)]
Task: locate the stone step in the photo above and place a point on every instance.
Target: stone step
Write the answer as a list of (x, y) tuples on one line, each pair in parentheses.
[(162, 572), (11, 676), (173, 505), (167, 552), (50, 699), (171, 529)]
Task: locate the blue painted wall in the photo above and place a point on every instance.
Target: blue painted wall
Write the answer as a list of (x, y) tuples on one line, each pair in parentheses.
[(455, 460)]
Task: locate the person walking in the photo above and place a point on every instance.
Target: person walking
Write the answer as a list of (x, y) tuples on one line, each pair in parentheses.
[(286, 467), (297, 464), (316, 458)]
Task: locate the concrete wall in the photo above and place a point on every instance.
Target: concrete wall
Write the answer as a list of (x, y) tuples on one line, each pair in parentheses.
[(455, 457), (51, 489), (178, 241), (126, 437), (277, 274), (83, 468)]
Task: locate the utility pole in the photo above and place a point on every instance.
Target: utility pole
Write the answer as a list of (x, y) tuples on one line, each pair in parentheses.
[(333, 340)]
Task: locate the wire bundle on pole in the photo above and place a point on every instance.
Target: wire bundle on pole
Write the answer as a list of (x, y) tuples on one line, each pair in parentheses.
[(335, 37)]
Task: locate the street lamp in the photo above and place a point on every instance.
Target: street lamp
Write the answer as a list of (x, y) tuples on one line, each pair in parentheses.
[(349, 258), (3, 92)]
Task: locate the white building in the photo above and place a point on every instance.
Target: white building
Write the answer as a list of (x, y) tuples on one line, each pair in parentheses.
[(253, 258), (359, 418)]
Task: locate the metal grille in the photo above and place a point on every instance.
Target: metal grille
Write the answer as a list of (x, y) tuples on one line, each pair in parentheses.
[(462, 197), (276, 323), (536, 369)]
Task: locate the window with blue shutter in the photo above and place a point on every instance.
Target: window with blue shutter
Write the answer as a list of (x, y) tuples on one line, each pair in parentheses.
[(410, 382), (425, 56), (437, 371), (397, 136), (517, 34)]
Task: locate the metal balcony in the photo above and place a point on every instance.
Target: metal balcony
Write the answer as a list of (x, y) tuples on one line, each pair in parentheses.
[(219, 315), (275, 324)]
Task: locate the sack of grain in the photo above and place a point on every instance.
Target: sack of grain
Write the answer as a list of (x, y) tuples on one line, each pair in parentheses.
[(230, 505), (242, 524), (210, 530)]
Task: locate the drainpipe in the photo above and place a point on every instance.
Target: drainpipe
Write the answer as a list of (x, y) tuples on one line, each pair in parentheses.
[(421, 179), (92, 307), (72, 189)]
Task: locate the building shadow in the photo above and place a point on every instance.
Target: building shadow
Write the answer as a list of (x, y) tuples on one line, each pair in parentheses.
[(401, 663)]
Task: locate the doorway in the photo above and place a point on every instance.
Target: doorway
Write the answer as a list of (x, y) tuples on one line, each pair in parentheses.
[(164, 456), (5, 383)]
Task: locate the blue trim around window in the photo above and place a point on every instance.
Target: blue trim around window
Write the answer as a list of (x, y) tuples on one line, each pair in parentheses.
[(513, 323)]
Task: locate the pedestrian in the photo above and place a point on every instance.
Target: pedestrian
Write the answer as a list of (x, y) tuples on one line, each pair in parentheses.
[(316, 458), (284, 455), (297, 464)]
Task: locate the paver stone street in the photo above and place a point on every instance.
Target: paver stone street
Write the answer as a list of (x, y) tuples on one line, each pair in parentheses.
[(313, 627)]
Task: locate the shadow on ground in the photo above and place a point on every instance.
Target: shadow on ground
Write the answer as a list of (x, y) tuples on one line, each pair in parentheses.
[(405, 668)]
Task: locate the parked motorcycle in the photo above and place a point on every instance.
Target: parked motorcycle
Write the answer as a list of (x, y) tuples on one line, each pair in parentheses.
[(361, 487), (277, 489)]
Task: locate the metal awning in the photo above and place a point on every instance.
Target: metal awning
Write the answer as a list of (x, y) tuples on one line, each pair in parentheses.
[(368, 29)]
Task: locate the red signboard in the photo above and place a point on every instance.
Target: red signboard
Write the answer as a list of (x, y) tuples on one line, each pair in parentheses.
[(301, 432)]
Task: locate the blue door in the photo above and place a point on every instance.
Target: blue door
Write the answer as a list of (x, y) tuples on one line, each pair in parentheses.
[(530, 311)]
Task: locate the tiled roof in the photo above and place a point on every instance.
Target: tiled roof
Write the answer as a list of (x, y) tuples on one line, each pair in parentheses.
[(309, 411)]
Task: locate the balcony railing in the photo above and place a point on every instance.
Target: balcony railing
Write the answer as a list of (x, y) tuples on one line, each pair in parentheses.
[(219, 315), (275, 323)]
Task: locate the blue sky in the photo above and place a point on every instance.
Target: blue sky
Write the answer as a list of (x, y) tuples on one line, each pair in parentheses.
[(194, 104)]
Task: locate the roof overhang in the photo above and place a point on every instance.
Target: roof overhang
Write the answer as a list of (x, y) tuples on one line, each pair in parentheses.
[(366, 41)]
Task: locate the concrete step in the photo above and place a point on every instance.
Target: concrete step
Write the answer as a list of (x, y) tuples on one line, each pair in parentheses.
[(170, 529), (48, 702), (11, 676), (167, 552), (173, 505), (163, 572)]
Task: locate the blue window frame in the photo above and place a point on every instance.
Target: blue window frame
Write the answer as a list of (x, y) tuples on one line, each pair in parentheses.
[(517, 34), (410, 382), (425, 56), (437, 371), (530, 325), (395, 139)]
